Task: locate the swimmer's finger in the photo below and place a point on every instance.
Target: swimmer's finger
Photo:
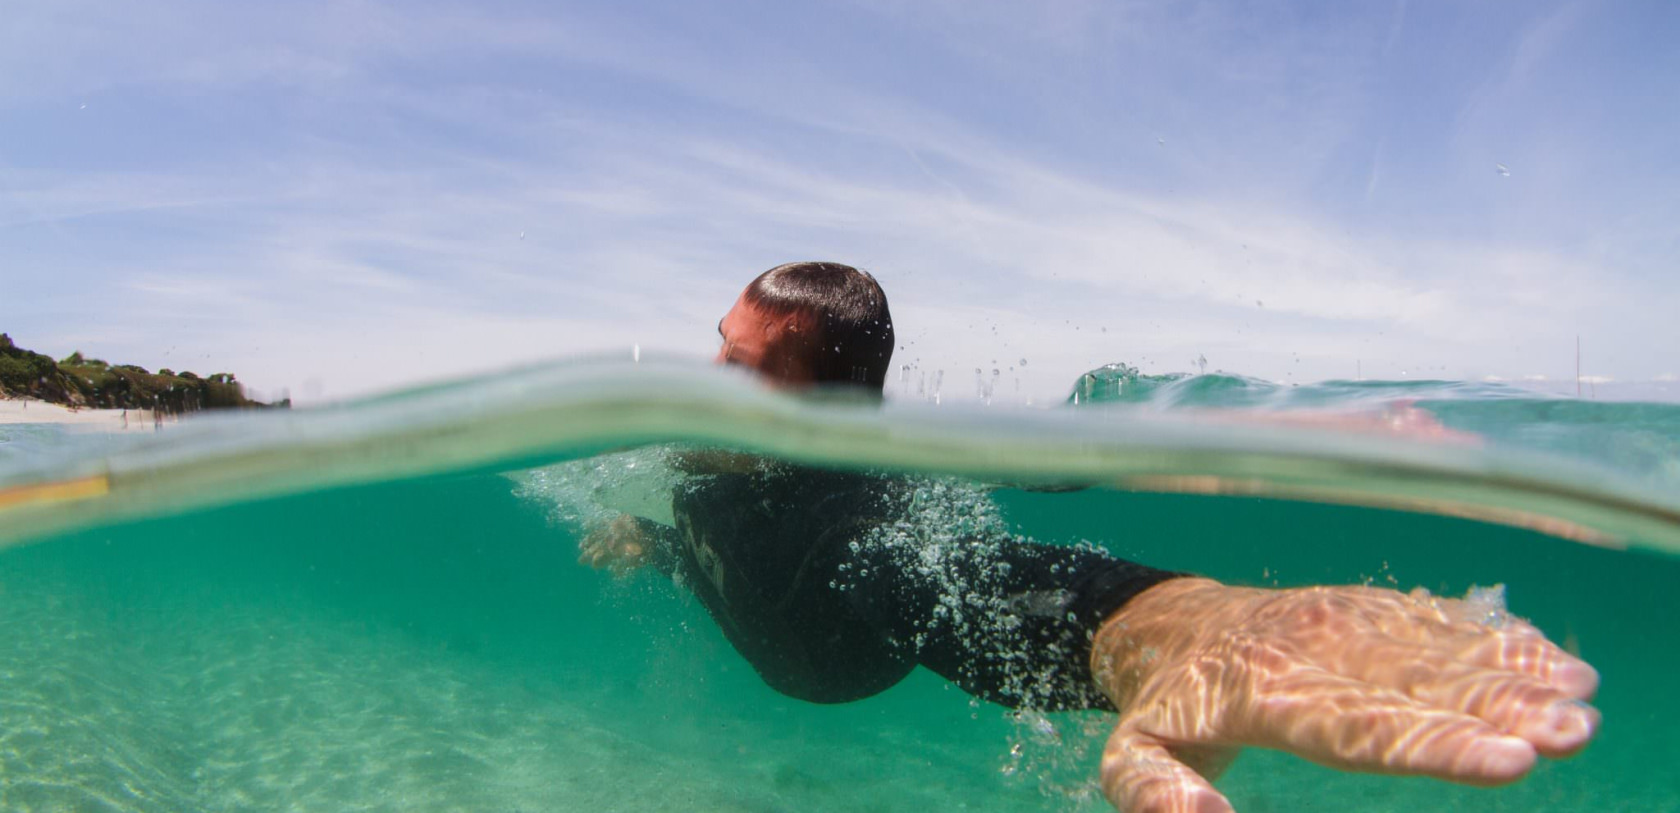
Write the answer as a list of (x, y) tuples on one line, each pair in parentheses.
[(1513, 678), (1139, 775), (593, 552), (1513, 645), (1352, 725), (1519, 704), (1520, 647)]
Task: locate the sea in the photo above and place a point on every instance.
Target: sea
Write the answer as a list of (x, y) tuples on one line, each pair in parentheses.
[(378, 605)]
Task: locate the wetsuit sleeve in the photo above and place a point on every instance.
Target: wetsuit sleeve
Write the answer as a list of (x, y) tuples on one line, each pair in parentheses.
[(1007, 620)]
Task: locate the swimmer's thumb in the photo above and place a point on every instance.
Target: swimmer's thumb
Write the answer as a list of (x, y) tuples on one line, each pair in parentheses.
[(1140, 774)]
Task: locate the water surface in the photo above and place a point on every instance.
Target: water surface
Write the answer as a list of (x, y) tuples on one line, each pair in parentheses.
[(377, 607)]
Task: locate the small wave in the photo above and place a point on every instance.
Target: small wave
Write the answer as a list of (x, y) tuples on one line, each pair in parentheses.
[(1129, 431)]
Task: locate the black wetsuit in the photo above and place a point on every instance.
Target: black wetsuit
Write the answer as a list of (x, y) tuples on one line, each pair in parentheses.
[(816, 578)]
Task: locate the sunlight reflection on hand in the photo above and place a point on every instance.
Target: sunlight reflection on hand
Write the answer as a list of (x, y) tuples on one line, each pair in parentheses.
[(1356, 678)]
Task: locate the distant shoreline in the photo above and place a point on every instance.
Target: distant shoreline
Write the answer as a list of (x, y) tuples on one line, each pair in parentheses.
[(78, 382), (15, 410)]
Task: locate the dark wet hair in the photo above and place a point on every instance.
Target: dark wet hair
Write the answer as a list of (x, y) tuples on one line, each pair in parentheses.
[(853, 342)]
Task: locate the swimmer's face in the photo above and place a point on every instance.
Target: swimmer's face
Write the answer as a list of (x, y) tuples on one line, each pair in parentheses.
[(775, 347)]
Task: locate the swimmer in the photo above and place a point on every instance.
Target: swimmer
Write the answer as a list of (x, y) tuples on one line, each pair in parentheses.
[(792, 564)]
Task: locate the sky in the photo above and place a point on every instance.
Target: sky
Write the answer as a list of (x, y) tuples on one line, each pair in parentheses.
[(335, 198)]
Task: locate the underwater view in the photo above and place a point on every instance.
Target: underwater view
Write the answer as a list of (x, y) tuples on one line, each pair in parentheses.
[(381, 605)]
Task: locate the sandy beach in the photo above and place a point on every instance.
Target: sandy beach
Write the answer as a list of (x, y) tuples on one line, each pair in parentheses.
[(21, 410)]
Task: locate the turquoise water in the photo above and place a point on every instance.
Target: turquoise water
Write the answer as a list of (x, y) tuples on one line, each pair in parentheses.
[(377, 607)]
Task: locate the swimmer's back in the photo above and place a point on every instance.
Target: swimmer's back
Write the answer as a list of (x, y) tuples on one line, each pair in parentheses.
[(762, 549)]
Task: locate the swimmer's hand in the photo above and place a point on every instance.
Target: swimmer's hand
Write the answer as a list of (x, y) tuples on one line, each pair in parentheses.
[(1399, 419), (620, 546), (1356, 678)]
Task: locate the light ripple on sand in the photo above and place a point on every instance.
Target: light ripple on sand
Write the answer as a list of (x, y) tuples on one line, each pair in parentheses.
[(222, 703)]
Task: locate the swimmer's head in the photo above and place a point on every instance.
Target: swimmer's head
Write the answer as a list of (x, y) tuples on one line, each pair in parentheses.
[(811, 323)]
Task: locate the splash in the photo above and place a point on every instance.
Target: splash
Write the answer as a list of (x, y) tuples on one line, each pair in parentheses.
[(951, 540), (581, 494), (1486, 606)]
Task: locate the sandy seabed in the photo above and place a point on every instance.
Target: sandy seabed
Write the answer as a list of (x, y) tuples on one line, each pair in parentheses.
[(277, 708)]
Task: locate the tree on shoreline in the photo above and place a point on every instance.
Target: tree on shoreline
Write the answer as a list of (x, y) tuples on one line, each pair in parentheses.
[(78, 381)]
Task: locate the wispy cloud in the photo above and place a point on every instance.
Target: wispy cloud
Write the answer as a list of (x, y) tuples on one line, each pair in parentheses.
[(441, 188)]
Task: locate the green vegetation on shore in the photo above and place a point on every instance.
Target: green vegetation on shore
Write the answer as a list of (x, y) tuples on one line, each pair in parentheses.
[(83, 382)]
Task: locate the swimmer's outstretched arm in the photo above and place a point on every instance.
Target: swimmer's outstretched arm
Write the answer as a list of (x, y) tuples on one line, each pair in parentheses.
[(1356, 678), (629, 543)]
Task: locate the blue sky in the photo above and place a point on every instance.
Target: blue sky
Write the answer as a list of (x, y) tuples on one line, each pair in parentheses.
[(333, 198)]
